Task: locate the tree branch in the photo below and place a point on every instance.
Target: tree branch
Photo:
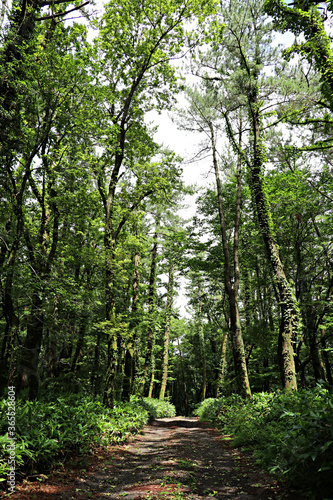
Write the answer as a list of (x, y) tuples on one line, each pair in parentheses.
[(61, 14)]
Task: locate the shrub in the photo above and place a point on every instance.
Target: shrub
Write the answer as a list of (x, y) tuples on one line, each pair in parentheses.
[(218, 410), (292, 433), (155, 407), (47, 432)]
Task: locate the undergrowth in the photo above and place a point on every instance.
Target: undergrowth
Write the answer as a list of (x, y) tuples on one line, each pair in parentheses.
[(48, 432), (155, 407), (291, 433)]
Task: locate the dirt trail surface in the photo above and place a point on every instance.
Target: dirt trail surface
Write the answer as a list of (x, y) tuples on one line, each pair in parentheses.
[(174, 458)]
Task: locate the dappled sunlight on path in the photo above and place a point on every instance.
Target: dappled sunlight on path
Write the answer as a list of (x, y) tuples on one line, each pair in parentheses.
[(173, 458)]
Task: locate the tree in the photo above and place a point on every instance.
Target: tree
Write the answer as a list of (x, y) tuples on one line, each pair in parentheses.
[(246, 41), (307, 19), (166, 340), (137, 42), (201, 115), (44, 139), (19, 51)]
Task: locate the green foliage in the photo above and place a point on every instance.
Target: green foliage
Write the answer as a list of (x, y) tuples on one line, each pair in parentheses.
[(217, 410), (292, 433), (155, 407), (47, 432), (307, 19)]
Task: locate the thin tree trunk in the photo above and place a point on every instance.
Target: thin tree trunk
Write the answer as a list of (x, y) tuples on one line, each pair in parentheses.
[(95, 379), (129, 356), (78, 353), (232, 291), (149, 355), (183, 377), (202, 346), (152, 376), (315, 354), (167, 334), (223, 364), (326, 357)]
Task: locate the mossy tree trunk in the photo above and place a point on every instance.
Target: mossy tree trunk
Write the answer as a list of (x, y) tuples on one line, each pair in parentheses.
[(289, 309)]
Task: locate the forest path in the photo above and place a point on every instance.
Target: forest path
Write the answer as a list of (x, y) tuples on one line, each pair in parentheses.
[(173, 459)]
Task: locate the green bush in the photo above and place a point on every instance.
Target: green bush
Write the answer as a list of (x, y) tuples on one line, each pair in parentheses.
[(292, 433), (217, 410), (47, 432), (155, 407)]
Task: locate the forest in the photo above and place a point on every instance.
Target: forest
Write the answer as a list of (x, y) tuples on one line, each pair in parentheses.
[(93, 248)]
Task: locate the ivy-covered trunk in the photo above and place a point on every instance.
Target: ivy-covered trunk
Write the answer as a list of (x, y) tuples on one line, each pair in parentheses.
[(288, 304)]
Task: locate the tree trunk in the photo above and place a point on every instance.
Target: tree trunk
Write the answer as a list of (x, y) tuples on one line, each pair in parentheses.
[(202, 346), (110, 314), (129, 356), (78, 353), (28, 365), (311, 335), (149, 355), (41, 257), (232, 291), (183, 377), (326, 357), (9, 255), (152, 376), (7, 348), (222, 364), (289, 309), (167, 334), (95, 378)]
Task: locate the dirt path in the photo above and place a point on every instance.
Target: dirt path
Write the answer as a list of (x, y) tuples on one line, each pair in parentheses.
[(175, 458)]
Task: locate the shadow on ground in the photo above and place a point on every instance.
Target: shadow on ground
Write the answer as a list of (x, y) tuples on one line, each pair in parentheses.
[(188, 423), (173, 459)]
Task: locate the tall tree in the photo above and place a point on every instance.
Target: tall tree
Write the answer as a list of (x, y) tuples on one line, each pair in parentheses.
[(201, 116), (247, 38), (166, 340), (137, 41), (43, 140)]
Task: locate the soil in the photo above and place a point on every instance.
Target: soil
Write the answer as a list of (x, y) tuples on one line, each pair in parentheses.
[(172, 459)]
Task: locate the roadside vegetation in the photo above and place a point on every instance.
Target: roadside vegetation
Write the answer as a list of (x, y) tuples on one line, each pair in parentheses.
[(291, 434), (50, 432)]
